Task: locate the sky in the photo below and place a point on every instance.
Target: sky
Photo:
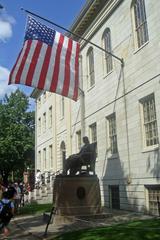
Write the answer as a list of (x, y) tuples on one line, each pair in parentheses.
[(12, 29)]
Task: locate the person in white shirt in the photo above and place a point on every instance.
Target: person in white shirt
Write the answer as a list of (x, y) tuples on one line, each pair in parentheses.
[(17, 197)]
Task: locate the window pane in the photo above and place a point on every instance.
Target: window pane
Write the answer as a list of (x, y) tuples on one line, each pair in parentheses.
[(140, 22), (79, 140), (154, 199), (107, 44), (91, 67), (112, 134), (150, 121)]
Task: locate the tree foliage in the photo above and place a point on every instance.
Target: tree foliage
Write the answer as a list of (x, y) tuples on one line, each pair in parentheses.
[(16, 134)]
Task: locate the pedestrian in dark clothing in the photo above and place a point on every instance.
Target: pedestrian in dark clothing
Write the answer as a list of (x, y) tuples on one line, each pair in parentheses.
[(6, 210)]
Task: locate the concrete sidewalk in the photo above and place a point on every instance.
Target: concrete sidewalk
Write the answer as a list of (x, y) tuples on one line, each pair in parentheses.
[(35, 225)]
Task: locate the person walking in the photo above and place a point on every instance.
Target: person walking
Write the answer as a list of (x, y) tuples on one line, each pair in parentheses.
[(6, 210), (17, 197)]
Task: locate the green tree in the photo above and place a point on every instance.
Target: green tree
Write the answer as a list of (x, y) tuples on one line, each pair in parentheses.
[(16, 135)]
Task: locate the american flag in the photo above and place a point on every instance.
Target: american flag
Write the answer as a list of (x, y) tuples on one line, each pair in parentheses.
[(47, 61)]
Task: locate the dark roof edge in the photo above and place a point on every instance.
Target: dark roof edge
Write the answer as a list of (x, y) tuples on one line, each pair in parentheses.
[(81, 14), (36, 93)]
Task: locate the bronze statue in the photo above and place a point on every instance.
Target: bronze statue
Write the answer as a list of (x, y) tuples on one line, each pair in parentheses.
[(85, 157)]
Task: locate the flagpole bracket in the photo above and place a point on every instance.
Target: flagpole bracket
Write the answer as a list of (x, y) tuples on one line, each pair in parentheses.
[(82, 92), (122, 62)]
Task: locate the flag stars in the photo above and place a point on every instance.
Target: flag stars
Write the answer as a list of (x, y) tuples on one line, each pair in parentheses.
[(38, 31)]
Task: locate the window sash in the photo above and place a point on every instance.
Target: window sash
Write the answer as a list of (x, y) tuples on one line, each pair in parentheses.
[(44, 158), (150, 122), (140, 22), (93, 129), (51, 156), (112, 134), (108, 57), (39, 126), (79, 143), (93, 134), (44, 121), (39, 159), (154, 199), (50, 116), (62, 107), (91, 67)]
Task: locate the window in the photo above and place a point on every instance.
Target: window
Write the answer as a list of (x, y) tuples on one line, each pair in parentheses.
[(63, 153), (51, 156), (90, 58), (107, 46), (39, 126), (39, 102), (149, 121), (44, 158), (80, 88), (44, 122), (154, 199), (50, 116), (79, 143), (112, 134), (140, 22), (44, 96), (62, 107), (39, 160), (93, 132)]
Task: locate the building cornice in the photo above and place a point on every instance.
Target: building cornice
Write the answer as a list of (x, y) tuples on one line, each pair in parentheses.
[(87, 15), (36, 93), (93, 14)]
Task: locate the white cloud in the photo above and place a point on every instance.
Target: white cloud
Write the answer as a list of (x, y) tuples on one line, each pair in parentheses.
[(4, 87), (6, 23), (7, 89), (5, 30)]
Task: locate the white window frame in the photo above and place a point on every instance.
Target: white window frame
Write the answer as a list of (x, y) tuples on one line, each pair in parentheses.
[(148, 104), (140, 27), (93, 135), (112, 136), (44, 121), (93, 132), (79, 140), (51, 156), (45, 158), (151, 193), (107, 46), (62, 107), (39, 126), (39, 102), (91, 72), (50, 117), (44, 96), (39, 160)]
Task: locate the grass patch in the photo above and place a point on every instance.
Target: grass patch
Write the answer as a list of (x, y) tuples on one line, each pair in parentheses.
[(136, 230), (35, 208)]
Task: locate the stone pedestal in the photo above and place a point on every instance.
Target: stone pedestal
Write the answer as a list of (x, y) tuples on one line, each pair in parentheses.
[(77, 195)]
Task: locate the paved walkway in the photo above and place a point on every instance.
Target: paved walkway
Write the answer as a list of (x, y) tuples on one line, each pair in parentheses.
[(33, 227), (18, 234)]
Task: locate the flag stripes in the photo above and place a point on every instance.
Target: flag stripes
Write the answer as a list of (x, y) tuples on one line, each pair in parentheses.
[(50, 67)]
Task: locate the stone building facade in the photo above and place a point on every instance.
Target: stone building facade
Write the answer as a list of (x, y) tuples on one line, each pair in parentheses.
[(118, 104)]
